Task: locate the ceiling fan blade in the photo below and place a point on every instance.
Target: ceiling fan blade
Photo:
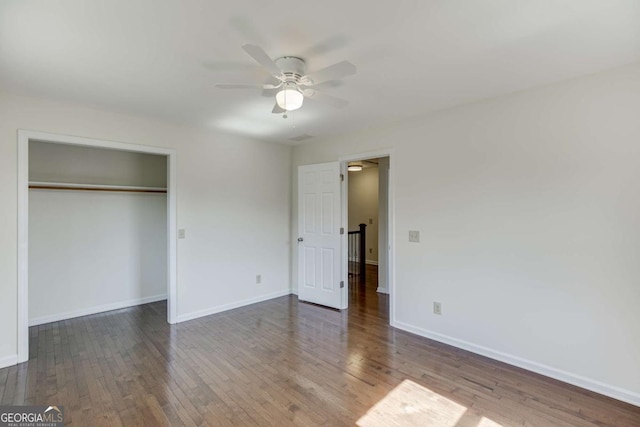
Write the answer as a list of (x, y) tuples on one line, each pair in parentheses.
[(255, 86), (269, 93), (234, 86), (277, 109), (332, 72), (261, 57), (326, 99)]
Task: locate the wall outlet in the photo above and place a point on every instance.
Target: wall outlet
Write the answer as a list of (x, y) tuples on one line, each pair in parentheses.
[(370, 250), (414, 236), (258, 278), (181, 233), (370, 220), (437, 308)]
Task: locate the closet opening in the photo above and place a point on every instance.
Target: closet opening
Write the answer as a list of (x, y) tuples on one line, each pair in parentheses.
[(96, 229)]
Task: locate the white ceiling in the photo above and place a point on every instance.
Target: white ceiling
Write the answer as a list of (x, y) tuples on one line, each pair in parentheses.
[(161, 58)]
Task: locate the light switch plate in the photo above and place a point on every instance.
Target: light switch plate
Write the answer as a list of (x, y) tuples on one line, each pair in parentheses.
[(414, 236), (181, 233)]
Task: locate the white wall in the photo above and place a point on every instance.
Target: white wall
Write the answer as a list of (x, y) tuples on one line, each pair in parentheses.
[(363, 206), (383, 224), (233, 201), (529, 211), (90, 165), (94, 251)]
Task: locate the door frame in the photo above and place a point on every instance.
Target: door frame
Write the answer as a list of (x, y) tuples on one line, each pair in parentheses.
[(24, 136), (344, 160)]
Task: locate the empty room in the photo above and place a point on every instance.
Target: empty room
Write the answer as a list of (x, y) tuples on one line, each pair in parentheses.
[(408, 213)]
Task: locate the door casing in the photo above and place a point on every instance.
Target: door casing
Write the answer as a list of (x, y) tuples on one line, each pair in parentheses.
[(344, 161)]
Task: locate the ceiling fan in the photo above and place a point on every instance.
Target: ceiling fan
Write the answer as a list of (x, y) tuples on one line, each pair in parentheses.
[(293, 83)]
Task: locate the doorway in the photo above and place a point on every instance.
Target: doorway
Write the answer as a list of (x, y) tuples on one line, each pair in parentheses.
[(376, 218), (24, 140)]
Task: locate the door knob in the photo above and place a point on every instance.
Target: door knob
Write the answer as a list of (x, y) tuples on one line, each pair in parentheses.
[(300, 239)]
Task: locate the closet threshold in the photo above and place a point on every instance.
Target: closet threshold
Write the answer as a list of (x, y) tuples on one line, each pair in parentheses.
[(38, 185)]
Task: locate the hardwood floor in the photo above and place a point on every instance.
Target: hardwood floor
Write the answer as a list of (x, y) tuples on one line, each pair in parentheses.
[(282, 362)]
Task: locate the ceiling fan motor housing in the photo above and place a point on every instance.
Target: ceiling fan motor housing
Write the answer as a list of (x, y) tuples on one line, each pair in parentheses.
[(293, 68)]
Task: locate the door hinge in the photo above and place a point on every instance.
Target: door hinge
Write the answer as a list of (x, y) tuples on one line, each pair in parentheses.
[(341, 230), (341, 284), (341, 177)]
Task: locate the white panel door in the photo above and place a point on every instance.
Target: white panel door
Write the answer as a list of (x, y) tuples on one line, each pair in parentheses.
[(319, 234)]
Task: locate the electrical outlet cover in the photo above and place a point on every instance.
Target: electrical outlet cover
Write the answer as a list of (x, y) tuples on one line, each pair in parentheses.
[(437, 308)]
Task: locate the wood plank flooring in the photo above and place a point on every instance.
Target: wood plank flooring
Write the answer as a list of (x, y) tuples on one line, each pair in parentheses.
[(280, 363)]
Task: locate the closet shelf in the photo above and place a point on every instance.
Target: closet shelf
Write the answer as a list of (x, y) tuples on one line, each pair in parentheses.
[(38, 185)]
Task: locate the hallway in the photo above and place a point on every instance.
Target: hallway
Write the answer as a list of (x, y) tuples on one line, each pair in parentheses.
[(364, 298)]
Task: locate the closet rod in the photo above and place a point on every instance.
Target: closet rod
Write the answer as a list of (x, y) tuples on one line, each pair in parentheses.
[(93, 187)]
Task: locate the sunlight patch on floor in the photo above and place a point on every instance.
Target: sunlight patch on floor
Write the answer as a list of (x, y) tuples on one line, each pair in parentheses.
[(410, 404), (486, 422)]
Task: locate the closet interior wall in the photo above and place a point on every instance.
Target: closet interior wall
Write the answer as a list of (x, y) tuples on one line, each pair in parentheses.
[(94, 250)]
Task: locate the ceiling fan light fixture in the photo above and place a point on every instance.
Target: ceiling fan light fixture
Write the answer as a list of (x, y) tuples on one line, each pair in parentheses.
[(354, 168), (289, 99)]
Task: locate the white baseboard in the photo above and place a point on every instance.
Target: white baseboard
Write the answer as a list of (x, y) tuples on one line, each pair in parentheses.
[(225, 307), (382, 290), (94, 310), (8, 361), (366, 261), (548, 371)]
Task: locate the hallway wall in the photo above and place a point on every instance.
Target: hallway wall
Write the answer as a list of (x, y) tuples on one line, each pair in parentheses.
[(363, 208)]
